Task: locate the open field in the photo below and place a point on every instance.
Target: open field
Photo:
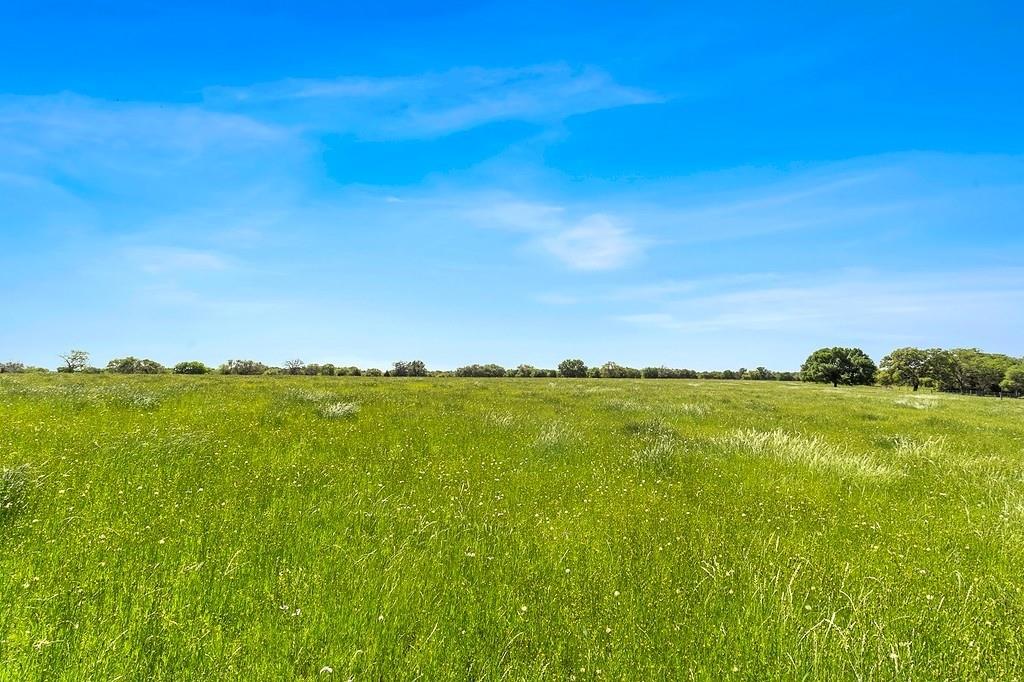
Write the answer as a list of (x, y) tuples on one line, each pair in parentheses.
[(174, 528)]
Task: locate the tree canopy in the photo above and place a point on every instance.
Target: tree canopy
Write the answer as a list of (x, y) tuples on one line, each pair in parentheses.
[(133, 365), (838, 365), (908, 366), (572, 368)]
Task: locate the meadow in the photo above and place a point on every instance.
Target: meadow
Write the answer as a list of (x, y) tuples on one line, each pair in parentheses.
[(201, 528)]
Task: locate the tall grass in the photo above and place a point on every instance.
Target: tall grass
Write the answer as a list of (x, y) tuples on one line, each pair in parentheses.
[(198, 528)]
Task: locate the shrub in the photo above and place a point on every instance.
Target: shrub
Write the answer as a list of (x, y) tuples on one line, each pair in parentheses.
[(412, 368), (611, 370), (247, 367), (490, 370), (133, 365), (191, 367)]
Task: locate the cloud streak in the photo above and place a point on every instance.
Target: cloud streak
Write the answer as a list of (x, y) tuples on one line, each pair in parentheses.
[(920, 308), (432, 104)]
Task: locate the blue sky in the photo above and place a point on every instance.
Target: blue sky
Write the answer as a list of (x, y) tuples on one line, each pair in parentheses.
[(648, 183)]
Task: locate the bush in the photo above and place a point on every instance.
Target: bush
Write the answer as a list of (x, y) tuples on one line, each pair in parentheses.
[(373, 372), (11, 368), (132, 365), (480, 371), (246, 367), (191, 367), (412, 368), (611, 370), (759, 374), (670, 373)]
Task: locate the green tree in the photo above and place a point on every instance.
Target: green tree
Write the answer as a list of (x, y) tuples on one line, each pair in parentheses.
[(1013, 380), (969, 369), (837, 365), (572, 368), (526, 371), (613, 370), (908, 366), (759, 374), (74, 361), (489, 370), (246, 367), (411, 368), (133, 365)]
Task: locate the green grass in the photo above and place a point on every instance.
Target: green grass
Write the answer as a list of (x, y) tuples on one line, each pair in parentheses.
[(198, 528)]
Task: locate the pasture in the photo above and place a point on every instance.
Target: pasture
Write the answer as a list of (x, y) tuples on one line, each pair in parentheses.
[(309, 528)]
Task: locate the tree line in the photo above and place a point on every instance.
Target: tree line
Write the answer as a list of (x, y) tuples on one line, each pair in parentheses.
[(960, 370), (963, 370), (78, 362)]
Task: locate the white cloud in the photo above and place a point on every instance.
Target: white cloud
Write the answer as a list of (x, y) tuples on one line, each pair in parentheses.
[(432, 104), (72, 122), (932, 308), (520, 215), (595, 243), (66, 148), (877, 195), (578, 238), (158, 260)]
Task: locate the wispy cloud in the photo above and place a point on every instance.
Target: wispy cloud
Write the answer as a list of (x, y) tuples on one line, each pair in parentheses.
[(913, 191), (579, 239), (596, 243), (160, 260), (73, 122), (70, 146), (667, 289), (922, 308), (515, 214), (432, 104)]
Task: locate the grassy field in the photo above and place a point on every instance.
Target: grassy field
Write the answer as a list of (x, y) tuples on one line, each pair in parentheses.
[(197, 528)]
